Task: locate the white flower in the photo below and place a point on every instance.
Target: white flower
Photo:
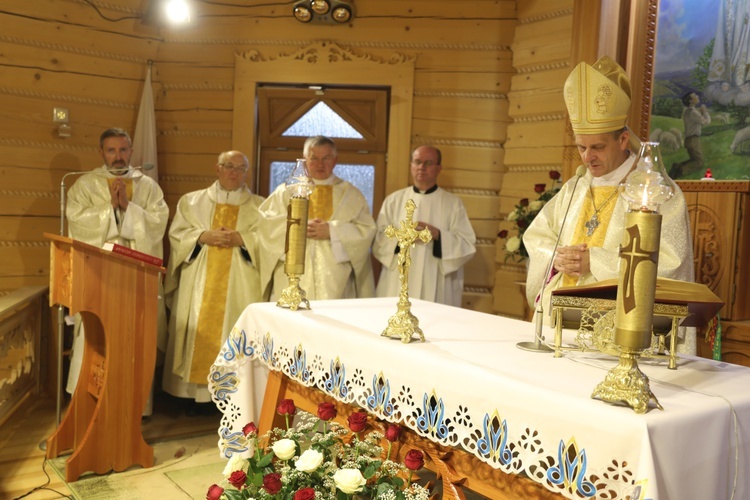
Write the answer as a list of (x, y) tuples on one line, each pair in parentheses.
[(309, 460), (513, 216), (349, 481), (513, 244), (284, 448), (235, 463), (536, 205)]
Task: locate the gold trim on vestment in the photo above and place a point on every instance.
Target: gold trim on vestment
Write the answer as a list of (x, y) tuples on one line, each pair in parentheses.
[(601, 195), (209, 332), (321, 202)]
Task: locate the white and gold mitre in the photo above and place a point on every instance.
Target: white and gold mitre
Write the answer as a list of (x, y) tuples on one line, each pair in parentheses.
[(597, 97)]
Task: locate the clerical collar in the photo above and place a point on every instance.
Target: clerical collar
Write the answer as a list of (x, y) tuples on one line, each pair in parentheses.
[(616, 176), (429, 191)]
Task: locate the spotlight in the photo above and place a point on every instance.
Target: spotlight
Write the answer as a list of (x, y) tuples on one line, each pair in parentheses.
[(324, 11)]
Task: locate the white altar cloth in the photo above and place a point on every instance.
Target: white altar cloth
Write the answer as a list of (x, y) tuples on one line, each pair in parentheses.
[(527, 413)]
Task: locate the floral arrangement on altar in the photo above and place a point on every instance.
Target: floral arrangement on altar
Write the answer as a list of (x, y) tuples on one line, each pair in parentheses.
[(319, 459), (524, 212)]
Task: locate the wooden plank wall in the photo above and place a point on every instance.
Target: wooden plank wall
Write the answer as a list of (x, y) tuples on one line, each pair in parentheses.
[(477, 70), (541, 57)]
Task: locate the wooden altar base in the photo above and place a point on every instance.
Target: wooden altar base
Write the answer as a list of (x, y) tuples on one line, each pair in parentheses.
[(456, 469)]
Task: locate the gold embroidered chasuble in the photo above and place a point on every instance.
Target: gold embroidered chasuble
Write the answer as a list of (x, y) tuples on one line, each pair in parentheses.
[(208, 333), (604, 199)]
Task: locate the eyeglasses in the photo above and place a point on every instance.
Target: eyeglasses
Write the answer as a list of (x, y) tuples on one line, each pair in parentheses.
[(236, 169), (426, 163)]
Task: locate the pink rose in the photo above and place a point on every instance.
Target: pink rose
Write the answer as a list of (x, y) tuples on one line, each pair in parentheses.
[(237, 479), (272, 482), (250, 428), (214, 492), (358, 421), (327, 411), (393, 432), (286, 407), (414, 460)]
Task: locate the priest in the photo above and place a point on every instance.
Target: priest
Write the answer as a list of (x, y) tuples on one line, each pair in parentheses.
[(116, 203), (436, 271), (340, 230), (213, 275), (598, 99)]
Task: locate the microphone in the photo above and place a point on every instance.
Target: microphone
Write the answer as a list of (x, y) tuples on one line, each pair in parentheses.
[(536, 345), (143, 168)]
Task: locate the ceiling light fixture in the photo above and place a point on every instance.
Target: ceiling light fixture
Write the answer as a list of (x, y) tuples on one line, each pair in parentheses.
[(324, 11)]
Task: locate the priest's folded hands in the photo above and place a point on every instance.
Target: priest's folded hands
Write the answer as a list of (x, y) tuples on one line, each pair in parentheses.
[(573, 260)]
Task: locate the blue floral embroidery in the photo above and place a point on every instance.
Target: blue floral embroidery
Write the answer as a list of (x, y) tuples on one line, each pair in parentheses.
[(237, 346), (232, 442), (224, 384), (268, 349), (431, 420), (492, 444), (380, 400), (572, 470), (298, 365), (336, 383)]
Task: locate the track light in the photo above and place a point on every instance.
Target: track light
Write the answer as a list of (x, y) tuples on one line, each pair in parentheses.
[(324, 11)]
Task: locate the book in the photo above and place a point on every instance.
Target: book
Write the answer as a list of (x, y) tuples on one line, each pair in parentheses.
[(701, 302), (133, 254)]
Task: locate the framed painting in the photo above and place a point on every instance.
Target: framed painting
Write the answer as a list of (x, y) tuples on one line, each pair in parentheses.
[(700, 87)]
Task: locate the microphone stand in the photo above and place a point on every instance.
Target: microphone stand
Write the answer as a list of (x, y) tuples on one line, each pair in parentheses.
[(537, 345)]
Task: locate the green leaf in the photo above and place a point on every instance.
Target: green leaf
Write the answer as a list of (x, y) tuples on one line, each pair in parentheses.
[(265, 460), (233, 494)]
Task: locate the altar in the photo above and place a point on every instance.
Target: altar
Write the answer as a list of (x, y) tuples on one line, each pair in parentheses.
[(528, 414)]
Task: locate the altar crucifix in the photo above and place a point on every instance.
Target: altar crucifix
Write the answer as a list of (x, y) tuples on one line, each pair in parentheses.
[(404, 324)]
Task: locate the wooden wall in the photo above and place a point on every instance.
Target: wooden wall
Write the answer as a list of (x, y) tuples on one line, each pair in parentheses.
[(487, 87)]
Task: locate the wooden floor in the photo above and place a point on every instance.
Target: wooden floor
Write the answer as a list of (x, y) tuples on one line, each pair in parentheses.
[(22, 467)]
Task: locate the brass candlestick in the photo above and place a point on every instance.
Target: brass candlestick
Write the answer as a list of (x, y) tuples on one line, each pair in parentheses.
[(300, 186), (645, 189), (403, 325)]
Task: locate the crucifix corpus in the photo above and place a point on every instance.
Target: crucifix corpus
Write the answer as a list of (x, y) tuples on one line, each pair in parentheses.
[(403, 325)]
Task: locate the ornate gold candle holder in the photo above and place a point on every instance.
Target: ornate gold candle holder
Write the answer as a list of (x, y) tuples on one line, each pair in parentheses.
[(300, 186), (403, 325), (645, 189)]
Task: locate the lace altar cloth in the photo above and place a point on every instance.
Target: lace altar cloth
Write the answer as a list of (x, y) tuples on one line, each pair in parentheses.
[(526, 413)]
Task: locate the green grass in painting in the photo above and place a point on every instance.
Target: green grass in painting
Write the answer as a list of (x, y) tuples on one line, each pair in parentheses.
[(715, 141)]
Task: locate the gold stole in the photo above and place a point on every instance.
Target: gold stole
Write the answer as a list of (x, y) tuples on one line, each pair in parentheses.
[(128, 186), (321, 202), (208, 333), (601, 195)]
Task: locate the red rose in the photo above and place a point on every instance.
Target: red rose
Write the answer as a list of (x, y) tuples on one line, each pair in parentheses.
[(554, 175), (358, 421), (524, 202), (522, 223), (414, 460), (327, 411), (214, 492), (305, 494), (272, 482), (503, 234), (286, 407), (250, 428), (237, 479), (393, 432), (539, 188)]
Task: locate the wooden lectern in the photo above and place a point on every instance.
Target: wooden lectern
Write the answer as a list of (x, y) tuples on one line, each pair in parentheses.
[(117, 298)]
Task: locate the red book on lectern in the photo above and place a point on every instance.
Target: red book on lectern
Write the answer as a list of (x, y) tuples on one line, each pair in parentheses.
[(135, 254)]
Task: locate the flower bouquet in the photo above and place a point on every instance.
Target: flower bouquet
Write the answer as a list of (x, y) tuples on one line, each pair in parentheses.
[(320, 459), (522, 216)]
